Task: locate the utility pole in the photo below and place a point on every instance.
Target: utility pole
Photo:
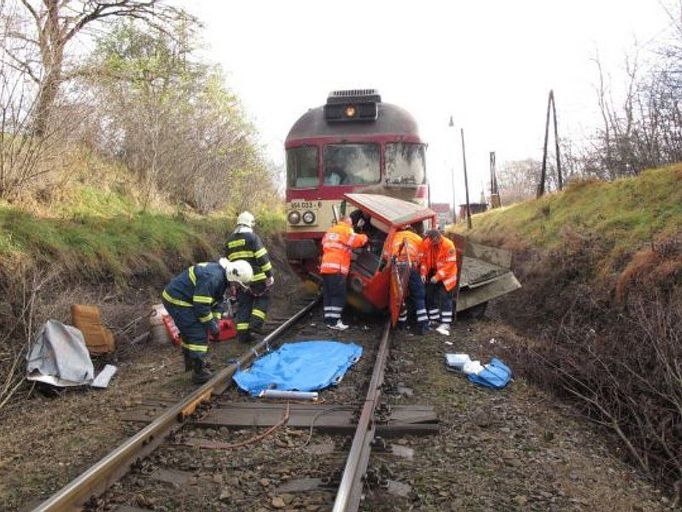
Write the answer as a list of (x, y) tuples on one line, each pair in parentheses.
[(543, 175), (454, 203), (495, 201), (556, 142), (466, 180)]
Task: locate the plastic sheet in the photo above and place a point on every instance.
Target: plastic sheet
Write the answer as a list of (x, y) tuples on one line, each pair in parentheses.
[(59, 357), (302, 366)]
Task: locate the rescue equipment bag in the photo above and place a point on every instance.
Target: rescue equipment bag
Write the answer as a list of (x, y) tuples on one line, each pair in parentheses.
[(495, 375)]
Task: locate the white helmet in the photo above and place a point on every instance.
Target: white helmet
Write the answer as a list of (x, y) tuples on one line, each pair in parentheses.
[(239, 271), (246, 219)]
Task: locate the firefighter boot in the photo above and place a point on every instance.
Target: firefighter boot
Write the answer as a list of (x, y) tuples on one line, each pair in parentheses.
[(188, 360), (201, 372), (246, 337)]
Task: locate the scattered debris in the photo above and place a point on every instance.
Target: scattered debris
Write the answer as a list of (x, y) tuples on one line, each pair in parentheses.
[(495, 374), (291, 395), (103, 378), (98, 338), (59, 356)]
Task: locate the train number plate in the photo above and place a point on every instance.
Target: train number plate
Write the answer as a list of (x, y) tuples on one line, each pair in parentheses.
[(306, 205)]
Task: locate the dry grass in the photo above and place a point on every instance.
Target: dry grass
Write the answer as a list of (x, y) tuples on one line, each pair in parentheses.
[(611, 344)]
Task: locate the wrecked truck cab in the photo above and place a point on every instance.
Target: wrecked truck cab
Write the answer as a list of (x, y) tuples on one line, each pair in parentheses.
[(369, 279), (484, 272)]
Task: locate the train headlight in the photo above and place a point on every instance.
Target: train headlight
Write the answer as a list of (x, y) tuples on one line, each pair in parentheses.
[(308, 217), (350, 111), (294, 217)]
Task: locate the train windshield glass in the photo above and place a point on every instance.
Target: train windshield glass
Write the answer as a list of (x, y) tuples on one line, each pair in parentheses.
[(302, 167), (352, 164), (405, 164)]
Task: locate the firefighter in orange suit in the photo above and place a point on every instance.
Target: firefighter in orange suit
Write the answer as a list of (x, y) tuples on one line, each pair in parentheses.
[(337, 245), (406, 249), (439, 272)]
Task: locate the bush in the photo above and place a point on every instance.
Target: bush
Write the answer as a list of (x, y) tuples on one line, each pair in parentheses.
[(613, 343)]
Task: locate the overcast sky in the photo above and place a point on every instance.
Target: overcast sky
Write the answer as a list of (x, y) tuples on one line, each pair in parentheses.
[(489, 63)]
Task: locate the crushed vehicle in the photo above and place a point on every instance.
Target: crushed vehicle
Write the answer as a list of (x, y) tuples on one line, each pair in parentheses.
[(484, 272)]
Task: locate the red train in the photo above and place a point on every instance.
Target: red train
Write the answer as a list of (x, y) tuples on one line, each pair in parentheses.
[(353, 143), (356, 144)]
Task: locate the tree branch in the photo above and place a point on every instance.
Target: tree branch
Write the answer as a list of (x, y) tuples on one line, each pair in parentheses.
[(32, 10)]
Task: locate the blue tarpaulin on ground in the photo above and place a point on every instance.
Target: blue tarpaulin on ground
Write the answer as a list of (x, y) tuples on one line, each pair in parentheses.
[(302, 366)]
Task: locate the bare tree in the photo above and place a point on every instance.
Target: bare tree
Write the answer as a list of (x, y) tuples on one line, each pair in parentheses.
[(48, 28), (174, 122), (518, 180), (643, 127)]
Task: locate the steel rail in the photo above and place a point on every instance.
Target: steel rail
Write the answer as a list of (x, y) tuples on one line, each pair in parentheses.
[(350, 489), (95, 480)]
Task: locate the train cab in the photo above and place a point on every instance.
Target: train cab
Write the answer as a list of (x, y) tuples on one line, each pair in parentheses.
[(353, 143)]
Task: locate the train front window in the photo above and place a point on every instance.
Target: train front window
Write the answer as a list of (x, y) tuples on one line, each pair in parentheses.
[(352, 164), (302, 167), (405, 164)]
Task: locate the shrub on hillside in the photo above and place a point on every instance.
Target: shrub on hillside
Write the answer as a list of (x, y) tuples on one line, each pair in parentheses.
[(173, 122), (612, 343)]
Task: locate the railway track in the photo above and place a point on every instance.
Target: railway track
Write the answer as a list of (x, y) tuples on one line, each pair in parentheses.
[(166, 448)]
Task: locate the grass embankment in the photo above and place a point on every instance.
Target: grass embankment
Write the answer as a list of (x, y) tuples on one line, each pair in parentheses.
[(626, 214), (102, 230), (601, 268)]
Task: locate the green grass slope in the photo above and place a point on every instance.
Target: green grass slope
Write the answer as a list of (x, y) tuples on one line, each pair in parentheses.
[(102, 230), (625, 214)]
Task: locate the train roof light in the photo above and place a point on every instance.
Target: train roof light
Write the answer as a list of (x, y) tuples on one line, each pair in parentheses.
[(352, 105)]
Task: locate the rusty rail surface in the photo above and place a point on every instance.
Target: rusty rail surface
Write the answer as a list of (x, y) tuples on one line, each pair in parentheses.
[(350, 489), (113, 466)]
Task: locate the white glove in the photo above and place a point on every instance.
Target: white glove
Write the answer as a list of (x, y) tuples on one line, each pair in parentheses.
[(434, 280), (269, 281)]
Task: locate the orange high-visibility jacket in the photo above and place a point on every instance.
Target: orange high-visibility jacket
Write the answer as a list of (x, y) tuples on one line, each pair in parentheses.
[(442, 259), (337, 245), (406, 246)]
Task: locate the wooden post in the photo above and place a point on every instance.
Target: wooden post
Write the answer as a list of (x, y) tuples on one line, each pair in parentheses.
[(466, 180), (495, 201), (543, 175), (556, 141)]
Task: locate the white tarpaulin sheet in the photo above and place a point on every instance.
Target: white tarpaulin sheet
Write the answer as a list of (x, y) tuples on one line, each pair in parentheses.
[(59, 357)]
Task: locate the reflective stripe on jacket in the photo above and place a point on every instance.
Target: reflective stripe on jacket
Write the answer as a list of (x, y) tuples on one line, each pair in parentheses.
[(406, 246), (201, 287), (441, 261), (244, 244), (337, 245)]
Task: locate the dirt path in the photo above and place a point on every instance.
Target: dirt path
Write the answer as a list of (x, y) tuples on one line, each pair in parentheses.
[(498, 450)]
